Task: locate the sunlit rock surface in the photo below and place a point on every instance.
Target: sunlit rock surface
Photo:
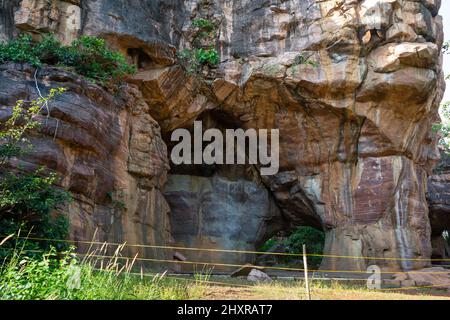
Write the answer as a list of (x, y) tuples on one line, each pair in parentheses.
[(353, 87)]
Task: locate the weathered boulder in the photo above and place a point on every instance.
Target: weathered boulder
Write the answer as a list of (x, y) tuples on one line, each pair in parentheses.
[(258, 276), (437, 278)]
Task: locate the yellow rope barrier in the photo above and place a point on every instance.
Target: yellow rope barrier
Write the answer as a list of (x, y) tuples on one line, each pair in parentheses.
[(231, 251), (234, 265)]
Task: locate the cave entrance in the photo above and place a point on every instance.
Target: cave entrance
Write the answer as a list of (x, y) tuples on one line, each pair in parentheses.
[(228, 207), (225, 207), (441, 247)]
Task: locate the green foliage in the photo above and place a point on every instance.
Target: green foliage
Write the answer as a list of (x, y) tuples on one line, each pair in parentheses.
[(92, 58), (311, 237), (203, 53), (62, 276), (269, 244), (207, 56), (89, 56), (443, 128), (28, 200), (204, 24), (22, 120), (196, 59), (302, 59)]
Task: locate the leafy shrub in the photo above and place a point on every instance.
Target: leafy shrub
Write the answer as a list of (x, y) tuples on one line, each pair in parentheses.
[(313, 239), (89, 56), (207, 56), (203, 53), (196, 59), (27, 201), (204, 24)]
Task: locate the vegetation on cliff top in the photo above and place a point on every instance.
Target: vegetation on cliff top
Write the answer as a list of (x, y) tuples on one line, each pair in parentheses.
[(88, 56)]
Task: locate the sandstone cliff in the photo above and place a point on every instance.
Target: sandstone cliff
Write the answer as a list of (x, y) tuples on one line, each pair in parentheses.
[(356, 144)]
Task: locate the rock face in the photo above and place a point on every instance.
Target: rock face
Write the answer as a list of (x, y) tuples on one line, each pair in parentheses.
[(215, 212), (108, 151), (439, 202), (353, 87)]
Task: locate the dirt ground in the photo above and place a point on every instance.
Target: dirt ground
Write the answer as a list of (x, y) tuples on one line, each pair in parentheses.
[(295, 290)]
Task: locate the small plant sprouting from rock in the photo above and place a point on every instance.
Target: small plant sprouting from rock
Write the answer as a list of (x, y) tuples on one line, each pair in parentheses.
[(88, 56), (204, 25), (202, 55), (305, 60), (117, 199)]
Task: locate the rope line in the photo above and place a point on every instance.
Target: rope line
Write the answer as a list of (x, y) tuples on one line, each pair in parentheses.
[(238, 285), (231, 251), (255, 266)]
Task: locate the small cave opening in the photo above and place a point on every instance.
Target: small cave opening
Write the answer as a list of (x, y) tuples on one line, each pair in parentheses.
[(141, 59), (210, 120)]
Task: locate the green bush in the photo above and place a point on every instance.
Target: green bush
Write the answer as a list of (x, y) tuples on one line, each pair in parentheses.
[(202, 53), (443, 127), (196, 59), (204, 24), (27, 201), (313, 239), (89, 56), (207, 56)]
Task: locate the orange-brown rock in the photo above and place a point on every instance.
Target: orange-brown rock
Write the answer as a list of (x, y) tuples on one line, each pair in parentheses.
[(108, 151), (353, 87)]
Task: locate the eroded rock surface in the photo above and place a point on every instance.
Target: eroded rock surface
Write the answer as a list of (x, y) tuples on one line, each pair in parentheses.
[(353, 87), (108, 151), (439, 202)]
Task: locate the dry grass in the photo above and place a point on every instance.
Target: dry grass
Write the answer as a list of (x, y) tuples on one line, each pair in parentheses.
[(319, 291)]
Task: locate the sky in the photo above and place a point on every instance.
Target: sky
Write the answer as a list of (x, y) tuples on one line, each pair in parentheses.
[(445, 12)]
